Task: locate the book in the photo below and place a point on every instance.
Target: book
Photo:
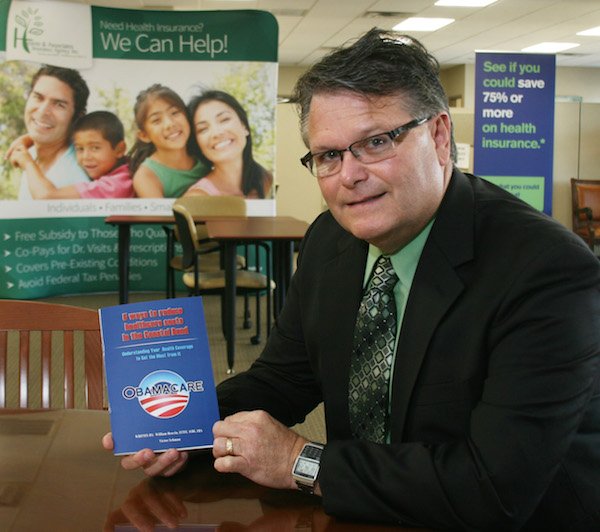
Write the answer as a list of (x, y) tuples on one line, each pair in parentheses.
[(159, 376)]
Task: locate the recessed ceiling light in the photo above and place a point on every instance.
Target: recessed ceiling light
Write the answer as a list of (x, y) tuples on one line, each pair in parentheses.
[(464, 3), (422, 24), (549, 47), (592, 32)]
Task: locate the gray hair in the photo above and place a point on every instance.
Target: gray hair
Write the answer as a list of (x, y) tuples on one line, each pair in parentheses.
[(380, 63)]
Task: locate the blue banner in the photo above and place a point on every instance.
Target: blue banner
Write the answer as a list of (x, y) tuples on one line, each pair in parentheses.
[(514, 124)]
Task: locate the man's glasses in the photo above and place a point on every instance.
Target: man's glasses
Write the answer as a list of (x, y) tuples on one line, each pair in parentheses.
[(370, 150)]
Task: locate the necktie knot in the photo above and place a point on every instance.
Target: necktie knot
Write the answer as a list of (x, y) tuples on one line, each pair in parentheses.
[(384, 276)]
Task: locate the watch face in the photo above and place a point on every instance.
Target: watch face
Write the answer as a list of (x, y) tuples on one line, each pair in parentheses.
[(307, 468)]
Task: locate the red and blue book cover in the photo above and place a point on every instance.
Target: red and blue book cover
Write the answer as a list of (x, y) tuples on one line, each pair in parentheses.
[(159, 376)]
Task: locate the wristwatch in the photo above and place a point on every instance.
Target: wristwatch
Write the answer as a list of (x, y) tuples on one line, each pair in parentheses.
[(307, 465)]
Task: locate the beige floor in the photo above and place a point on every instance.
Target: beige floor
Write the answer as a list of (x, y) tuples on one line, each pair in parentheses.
[(245, 353)]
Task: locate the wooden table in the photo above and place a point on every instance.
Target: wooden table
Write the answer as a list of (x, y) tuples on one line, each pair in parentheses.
[(55, 476), (281, 231)]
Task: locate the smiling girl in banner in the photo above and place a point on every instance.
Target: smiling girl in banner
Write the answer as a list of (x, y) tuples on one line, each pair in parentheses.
[(162, 163)]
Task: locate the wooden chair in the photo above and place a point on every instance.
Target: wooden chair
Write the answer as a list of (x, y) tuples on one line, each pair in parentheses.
[(225, 206), (200, 206), (213, 282), (50, 343), (585, 199)]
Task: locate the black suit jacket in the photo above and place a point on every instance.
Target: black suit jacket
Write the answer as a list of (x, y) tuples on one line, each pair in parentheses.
[(495, 413)]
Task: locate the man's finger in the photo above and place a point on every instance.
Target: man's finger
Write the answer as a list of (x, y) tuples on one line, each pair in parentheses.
[(107, 442), (142, 458), (167, 462)]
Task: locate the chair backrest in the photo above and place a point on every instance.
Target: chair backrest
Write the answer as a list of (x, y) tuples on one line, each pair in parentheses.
[(186, 233), (186, 229), (213, 205), (585, 193), (210, 206), (57, 346)]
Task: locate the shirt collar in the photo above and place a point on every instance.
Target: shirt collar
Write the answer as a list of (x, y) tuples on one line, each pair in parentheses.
[(405, 260)]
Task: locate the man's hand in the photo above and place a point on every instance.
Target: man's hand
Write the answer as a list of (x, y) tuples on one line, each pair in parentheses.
[(261, 449), (163, 464)]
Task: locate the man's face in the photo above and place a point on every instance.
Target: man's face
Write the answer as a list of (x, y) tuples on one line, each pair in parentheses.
[(389, 202), (49, 111)]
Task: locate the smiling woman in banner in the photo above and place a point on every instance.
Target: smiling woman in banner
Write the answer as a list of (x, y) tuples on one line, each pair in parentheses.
[(224, 139)]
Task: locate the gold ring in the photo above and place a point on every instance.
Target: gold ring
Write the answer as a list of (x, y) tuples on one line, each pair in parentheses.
[(228, 446)]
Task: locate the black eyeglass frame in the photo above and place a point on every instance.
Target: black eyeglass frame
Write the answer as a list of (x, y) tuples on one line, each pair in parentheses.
[(393, 134)]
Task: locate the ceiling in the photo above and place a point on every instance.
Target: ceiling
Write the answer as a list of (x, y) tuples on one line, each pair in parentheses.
[(310, 28)]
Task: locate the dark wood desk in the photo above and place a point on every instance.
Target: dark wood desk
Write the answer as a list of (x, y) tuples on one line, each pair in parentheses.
[(55, 476)]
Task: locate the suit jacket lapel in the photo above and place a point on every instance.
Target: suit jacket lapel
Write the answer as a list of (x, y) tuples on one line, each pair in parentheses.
[(435, 287)]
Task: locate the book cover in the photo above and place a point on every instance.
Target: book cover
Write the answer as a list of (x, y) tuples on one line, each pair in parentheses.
[(159, 376)]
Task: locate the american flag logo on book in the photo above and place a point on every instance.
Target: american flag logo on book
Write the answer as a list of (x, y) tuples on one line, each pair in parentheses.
[(163, 394)]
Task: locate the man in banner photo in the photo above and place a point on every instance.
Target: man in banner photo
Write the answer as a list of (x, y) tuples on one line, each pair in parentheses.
[(56, 100)]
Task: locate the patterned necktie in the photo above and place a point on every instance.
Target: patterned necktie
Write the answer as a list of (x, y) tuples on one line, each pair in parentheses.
[(371, 361)]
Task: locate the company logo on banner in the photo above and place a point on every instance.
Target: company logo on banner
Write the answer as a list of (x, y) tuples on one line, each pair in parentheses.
[(35, 32), (514, 124)]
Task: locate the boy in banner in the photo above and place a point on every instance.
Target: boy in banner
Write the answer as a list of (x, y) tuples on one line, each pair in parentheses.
[(99, 141)]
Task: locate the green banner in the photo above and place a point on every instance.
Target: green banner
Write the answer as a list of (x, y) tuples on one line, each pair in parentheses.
[(80, 255), (55, 245), (76, 255), (184, 35), (4, 7), (529, 189)]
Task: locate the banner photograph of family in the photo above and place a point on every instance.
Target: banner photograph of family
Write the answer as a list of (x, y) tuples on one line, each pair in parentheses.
[(58, 146)]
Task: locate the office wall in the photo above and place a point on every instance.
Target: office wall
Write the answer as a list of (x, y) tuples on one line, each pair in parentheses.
[(589, 161), (298, 192), (566, 157), (576, 153), (453, 80)]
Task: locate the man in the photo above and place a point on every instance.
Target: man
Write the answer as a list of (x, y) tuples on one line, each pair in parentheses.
[(492, 420), (56, 100)]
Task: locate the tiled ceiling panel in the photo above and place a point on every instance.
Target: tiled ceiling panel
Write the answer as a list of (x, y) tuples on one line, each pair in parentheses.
[(308, 28)]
